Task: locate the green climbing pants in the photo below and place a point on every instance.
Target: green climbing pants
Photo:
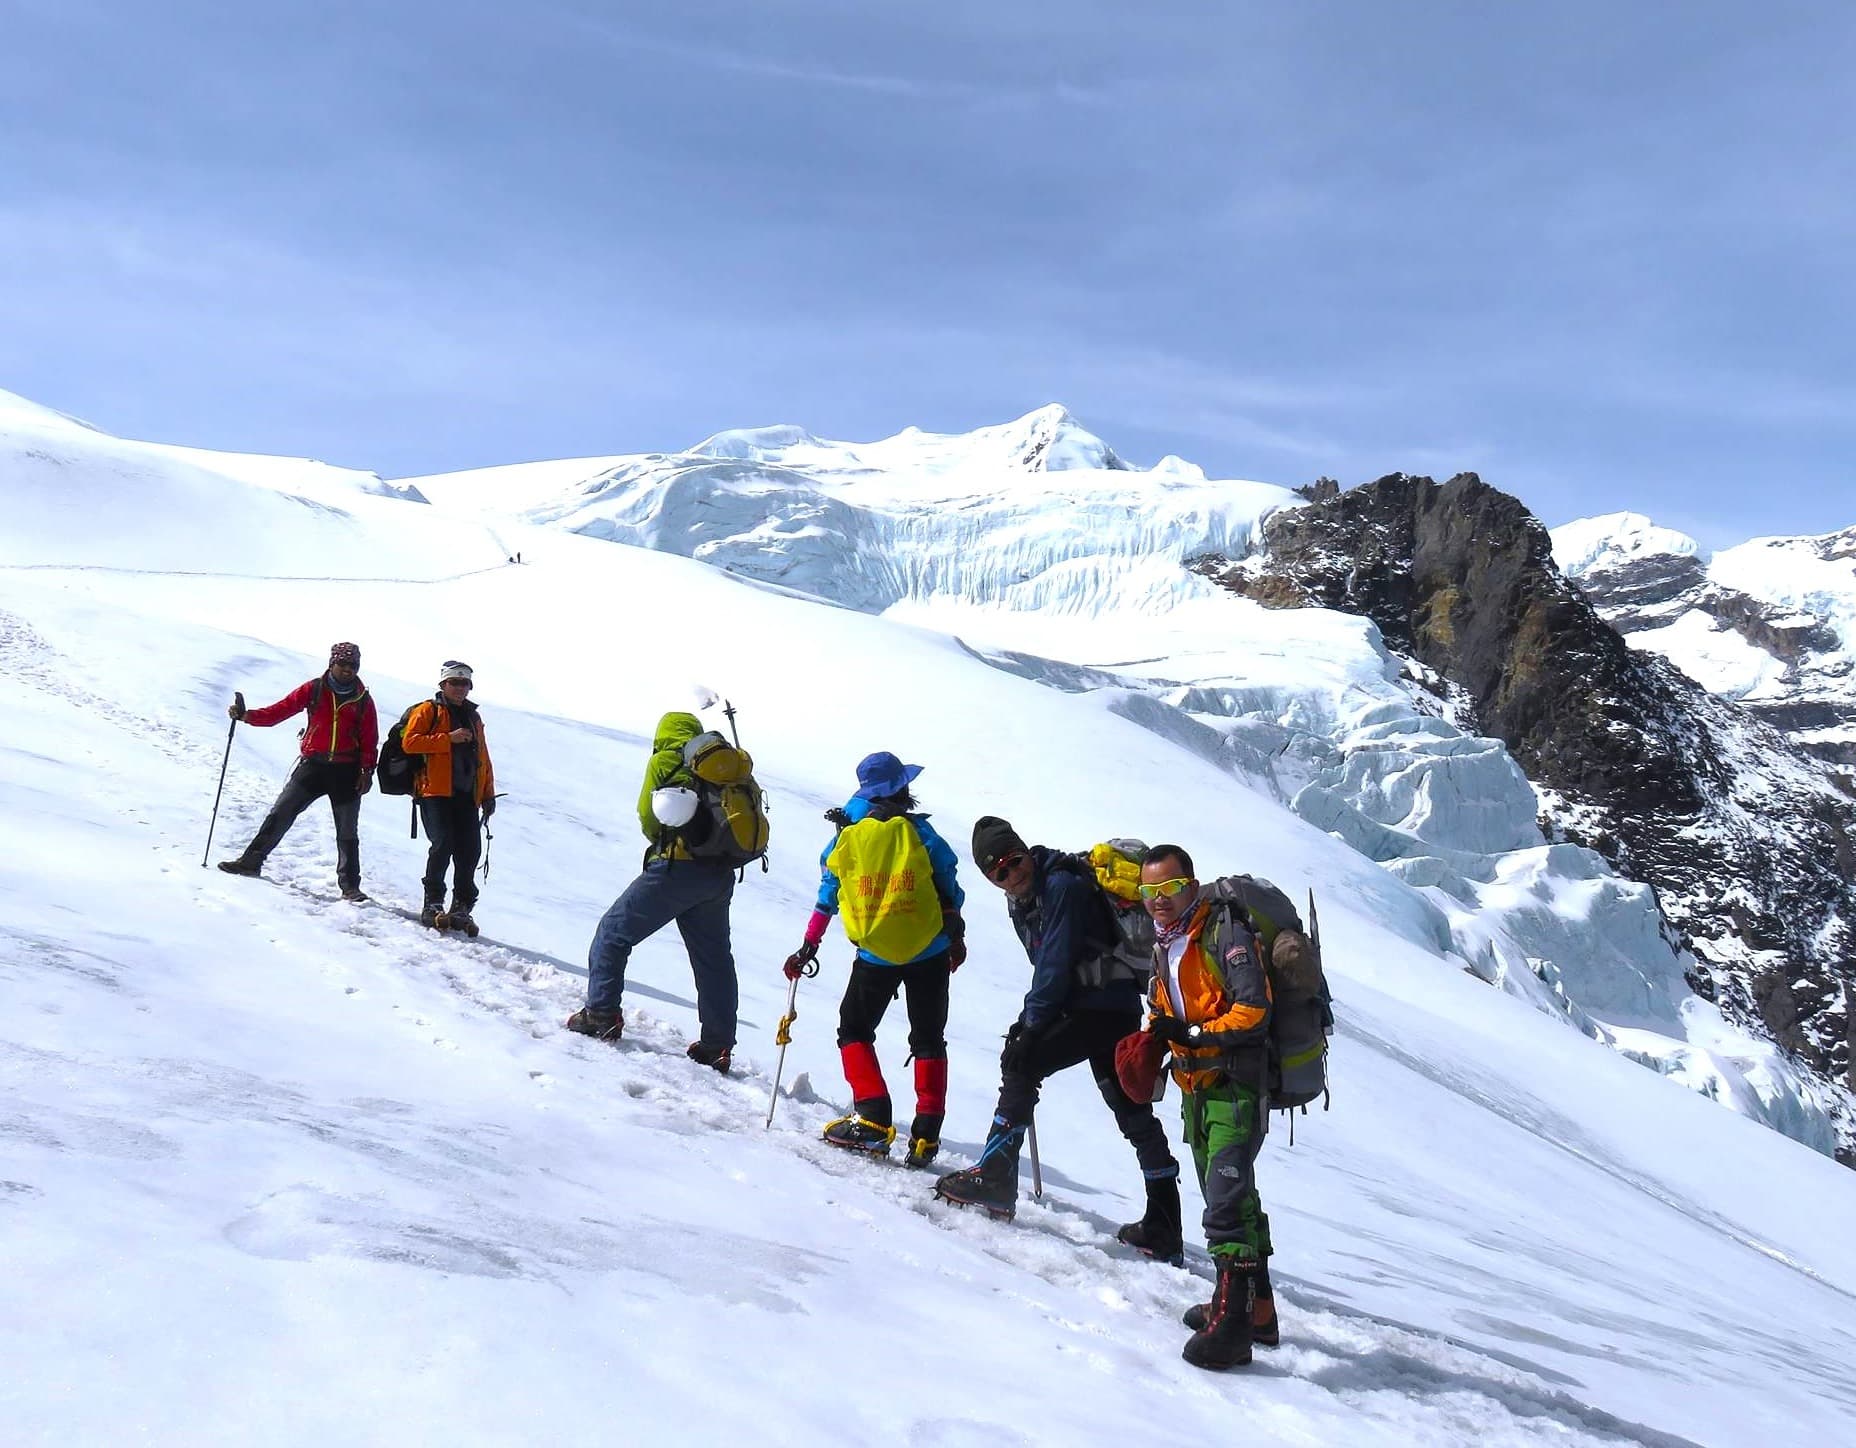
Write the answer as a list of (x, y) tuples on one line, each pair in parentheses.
[(1224, 1127)]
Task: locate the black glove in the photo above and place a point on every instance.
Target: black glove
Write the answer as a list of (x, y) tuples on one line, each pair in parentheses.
[(366, 782), (1020, 1040), (1170, 1029)]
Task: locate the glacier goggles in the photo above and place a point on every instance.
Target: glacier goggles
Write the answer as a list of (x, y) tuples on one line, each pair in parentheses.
[(999, 872), (1161, 888)]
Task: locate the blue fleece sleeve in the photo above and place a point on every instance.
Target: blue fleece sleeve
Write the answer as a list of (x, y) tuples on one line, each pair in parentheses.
[(827, 881), (1053, 960), (942, 858)]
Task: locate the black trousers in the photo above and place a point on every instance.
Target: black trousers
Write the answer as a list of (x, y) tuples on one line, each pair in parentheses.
[(872, 987), (456, 835), (1068, 1041), (311, 780)]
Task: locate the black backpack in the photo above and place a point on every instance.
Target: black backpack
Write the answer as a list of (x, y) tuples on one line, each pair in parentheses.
[(397, 771)]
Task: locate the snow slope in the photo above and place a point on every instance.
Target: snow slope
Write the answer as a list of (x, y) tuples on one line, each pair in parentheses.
[(1034, 545), (277, 1169)]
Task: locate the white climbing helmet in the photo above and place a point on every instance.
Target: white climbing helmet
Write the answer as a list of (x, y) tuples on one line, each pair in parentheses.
[(673, 806)]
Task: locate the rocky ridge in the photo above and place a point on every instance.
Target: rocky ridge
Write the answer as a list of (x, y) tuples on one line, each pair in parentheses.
[(1749, 844)]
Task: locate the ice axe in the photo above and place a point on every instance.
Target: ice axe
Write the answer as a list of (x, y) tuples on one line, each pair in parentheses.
[(1037, 1172), (783, 1037), (238, 703)]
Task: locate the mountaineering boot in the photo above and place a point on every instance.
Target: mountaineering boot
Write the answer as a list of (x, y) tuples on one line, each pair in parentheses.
[(240, 866), (1224, 1341), (429, 913), (992, 1185), (715, 1057), (461, 920), (922, 1150), (600, 1025), (1265, 1330), (1158, 1232), (925, 1130), (855, 1133), (352, 894)]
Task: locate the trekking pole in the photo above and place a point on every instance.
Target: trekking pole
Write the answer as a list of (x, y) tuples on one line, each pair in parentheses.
[(784, 1036), (487, 837), (1037, 1172), (238, 702), (728, 709)]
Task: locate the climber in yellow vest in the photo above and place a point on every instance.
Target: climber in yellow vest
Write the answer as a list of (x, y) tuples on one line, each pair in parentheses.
[(892, 880)]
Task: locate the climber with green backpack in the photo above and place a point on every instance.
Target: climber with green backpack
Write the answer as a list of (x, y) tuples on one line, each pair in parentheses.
[(893, 881), (705, 818)]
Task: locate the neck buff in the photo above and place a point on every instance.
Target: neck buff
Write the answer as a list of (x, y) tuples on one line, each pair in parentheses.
[(1182, 922), (338, 689)]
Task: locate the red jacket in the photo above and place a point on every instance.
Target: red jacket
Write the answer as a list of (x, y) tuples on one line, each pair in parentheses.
[(338, 729)]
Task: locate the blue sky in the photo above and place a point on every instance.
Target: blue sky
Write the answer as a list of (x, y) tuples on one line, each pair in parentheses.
[(1598, 253)]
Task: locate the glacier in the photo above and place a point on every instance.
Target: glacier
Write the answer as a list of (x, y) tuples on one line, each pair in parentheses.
[(1035, 545)]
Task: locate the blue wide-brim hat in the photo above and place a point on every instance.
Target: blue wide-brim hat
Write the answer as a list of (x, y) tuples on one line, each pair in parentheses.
[(882, 774)]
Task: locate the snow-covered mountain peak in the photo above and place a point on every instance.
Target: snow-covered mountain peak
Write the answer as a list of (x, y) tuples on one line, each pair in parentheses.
[(1033, 514), (756, 444), (1046, 440), (1770, 623), (1613, 540)]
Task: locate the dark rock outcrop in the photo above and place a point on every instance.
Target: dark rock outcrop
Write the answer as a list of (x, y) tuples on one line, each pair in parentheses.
[(1749, 846)]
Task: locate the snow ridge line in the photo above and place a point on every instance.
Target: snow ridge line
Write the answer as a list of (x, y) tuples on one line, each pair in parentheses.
[(244, 577)]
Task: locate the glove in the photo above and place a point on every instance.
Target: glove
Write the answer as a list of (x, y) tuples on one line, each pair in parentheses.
[(1170, 1029), (489, 807), (367, 781), (797, 962), (956, 931), (1019, 1041), (235, 711)]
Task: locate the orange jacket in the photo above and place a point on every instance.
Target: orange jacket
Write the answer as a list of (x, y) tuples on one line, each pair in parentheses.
[(1226, 993), (427, 736)]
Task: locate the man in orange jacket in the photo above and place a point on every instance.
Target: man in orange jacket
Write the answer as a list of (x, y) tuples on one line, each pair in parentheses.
[(336, 760), (456, 789), (1211, 1004)]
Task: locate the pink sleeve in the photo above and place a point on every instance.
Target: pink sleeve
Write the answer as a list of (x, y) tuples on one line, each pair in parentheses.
[(817, 926)]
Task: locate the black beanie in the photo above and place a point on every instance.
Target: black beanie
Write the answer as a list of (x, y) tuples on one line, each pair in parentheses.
[(993, 840)]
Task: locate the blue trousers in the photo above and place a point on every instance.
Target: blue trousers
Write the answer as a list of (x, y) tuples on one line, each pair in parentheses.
[(695, 894)]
